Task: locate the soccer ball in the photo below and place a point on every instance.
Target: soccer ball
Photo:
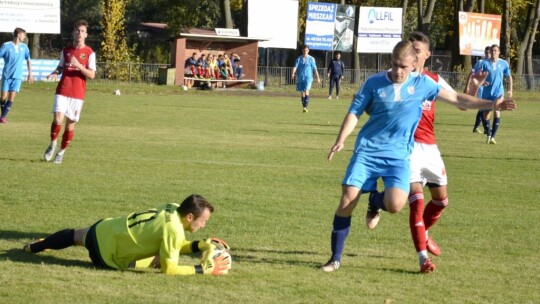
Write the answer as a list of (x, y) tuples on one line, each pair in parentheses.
[(184, 88), (222, 255), (117, 92)]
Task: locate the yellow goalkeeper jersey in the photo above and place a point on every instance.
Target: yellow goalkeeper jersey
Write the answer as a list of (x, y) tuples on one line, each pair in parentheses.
[(122, 240)]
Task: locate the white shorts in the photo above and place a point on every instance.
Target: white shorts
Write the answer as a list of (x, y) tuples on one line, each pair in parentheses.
[(71, 107), (427, 165)]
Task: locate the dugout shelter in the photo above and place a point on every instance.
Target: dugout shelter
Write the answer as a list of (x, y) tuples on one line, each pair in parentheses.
[(207, 41)]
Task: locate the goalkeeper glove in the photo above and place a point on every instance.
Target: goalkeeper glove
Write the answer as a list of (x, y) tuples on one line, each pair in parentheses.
[(214, 243), (214, 263), (220, 244)]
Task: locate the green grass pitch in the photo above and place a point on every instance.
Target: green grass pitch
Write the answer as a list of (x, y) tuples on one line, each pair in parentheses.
[(262, 162)]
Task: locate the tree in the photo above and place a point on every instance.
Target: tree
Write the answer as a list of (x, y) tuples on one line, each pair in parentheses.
[(526, 44), (187, 14), (424, 16), (114, 50), (227, 13)]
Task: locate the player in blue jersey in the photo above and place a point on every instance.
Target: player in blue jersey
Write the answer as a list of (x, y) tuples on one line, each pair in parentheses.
[(394, 102), (14, 53), (122, 242), (335, 70), (303, 70), (480, 114), (497, 69)]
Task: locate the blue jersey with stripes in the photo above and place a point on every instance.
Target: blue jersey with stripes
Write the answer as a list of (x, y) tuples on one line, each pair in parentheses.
[(497, 70), (14, 57), (395, 110), (305, 67)]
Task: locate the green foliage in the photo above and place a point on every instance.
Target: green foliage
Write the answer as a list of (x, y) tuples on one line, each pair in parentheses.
[(261, 162), (188, 14), (114, 50)]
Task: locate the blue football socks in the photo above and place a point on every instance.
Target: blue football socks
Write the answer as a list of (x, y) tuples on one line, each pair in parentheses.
[(340, 231)]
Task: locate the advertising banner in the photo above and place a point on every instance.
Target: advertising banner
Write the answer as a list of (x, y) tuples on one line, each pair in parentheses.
[(379, 29), (344, 28), (476, 31), (276, 21), (320, 21), (38, 16), (330, 27)]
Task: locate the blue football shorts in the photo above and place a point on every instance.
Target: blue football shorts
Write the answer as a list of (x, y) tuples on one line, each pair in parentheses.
[(303, 85), (11, 85), (364, 171)]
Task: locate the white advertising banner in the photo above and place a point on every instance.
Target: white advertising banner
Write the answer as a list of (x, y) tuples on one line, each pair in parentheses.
[(275, 20), (34, 16), (379, 29)]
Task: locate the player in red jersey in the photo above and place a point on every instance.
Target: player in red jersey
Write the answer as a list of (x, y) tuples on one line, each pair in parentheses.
[(77, 63), (427, 166)]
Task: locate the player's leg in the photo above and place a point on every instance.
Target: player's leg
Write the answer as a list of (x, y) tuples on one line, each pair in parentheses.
[(487, 123), (330, 88), (72, 115), (435, 207), (67, 137), (341, 225), (478, 120), (58, 240), (59, 109), (307, 88), (301, 87), (338, 87), (3, 99), (433, 212), (416, 221), (496, 123), (307, 96), (396, 177), (12, 86)]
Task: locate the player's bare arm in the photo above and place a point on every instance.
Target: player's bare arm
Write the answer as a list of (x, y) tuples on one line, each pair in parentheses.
[(471, 102), (348, 125)]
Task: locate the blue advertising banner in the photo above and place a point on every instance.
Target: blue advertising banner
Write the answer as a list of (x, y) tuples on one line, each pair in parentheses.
[(40, 68), (320, 25)]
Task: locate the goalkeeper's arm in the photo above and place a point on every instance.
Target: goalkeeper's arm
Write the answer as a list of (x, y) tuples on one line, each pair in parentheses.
[(194, 247), (210, 265)]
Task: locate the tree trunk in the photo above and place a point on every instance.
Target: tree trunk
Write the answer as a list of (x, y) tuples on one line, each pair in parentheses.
[(530, 44), (404, 5), (523, 43), (424, 16), (227, 14), (355, 54), (506, 29), (34, 52)]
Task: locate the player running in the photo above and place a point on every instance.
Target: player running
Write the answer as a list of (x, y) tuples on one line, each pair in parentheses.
[(77, 63), (14, 53), (394, 101)]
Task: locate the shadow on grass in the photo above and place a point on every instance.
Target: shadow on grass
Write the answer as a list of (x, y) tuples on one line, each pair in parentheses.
[(401, 271), (245, 255), (18, 235), (25, 160), (17, 255)]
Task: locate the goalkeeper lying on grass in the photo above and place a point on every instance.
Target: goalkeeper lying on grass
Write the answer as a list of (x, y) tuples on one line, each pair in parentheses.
[(133, 240)]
